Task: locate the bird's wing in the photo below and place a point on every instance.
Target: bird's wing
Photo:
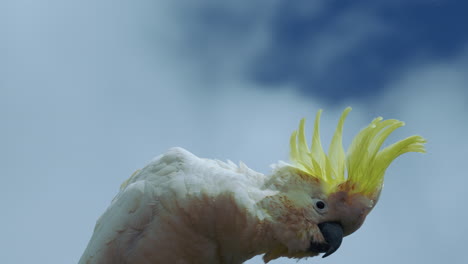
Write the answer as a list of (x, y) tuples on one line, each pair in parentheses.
[(149, 200), (134, 206)]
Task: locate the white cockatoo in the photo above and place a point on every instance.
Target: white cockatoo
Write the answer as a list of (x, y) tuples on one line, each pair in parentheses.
[(184, 209)]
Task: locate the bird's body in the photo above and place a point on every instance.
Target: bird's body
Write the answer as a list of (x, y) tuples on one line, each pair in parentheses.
[(188, 210), (184, 209)]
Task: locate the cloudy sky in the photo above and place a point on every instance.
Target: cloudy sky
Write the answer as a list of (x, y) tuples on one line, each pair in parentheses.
[(92, 90)]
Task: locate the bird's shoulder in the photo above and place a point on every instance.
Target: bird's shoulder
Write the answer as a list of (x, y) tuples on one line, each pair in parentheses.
[(164, 167), (178, 163)]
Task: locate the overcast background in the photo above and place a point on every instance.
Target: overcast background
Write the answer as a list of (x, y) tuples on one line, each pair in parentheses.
[(91, 90)]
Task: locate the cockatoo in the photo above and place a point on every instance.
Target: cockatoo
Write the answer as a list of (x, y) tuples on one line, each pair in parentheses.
[(184, 209)]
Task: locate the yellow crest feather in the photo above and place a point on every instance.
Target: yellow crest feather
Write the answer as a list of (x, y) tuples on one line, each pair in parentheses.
[(364, 162)]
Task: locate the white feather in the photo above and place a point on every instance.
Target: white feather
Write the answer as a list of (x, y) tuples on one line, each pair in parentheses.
[(182, 209)]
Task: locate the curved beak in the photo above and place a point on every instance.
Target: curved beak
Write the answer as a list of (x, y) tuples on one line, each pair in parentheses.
[(333, 234)]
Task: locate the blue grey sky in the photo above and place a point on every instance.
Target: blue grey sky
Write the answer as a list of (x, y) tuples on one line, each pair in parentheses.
[(90, 91)]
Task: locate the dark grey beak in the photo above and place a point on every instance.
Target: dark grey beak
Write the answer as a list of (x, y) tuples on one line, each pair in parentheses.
[(333, 234)]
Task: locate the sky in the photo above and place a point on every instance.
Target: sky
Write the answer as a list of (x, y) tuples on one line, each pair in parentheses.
[(90, 91)]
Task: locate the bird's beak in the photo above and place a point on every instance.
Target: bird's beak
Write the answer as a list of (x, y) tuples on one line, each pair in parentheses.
[(333, 234)]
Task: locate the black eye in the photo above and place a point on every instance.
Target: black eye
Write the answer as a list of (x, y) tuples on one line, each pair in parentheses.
[(320, 204)]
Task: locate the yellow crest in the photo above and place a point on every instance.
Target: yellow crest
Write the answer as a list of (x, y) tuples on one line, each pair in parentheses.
[(365, 163)]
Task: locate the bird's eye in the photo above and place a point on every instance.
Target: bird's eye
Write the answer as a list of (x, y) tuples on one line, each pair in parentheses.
[(320, 205)]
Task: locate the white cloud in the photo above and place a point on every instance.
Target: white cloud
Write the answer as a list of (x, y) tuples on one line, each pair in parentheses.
[(88, 101)]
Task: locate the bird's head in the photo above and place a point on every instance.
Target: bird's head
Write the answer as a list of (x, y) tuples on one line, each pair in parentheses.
[(336, 191)]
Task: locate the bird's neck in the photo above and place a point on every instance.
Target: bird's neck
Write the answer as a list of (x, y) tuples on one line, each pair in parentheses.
[(239, 232)]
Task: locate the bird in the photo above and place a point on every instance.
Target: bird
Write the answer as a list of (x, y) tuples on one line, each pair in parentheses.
[(181, 208)]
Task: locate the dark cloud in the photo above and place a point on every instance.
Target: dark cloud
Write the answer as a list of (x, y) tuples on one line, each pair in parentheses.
[(335, 50), (390, 35)]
